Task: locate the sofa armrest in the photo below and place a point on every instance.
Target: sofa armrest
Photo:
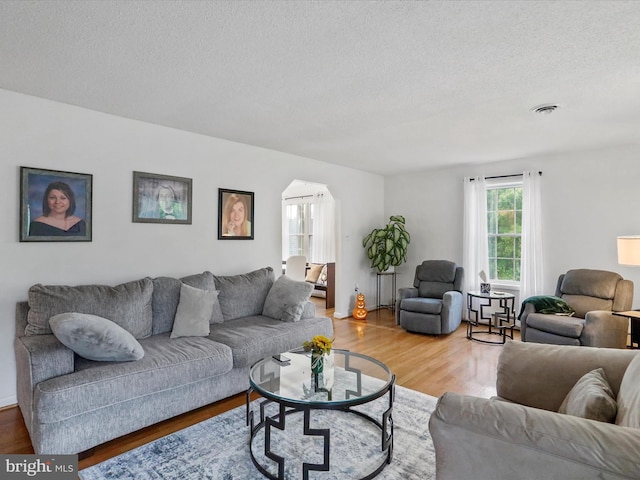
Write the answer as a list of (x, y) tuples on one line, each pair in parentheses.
[(405, 292), (524, 313), (41, 357), (604, 329), (532, 443), (540, 375), (451, 315), (38, 358)]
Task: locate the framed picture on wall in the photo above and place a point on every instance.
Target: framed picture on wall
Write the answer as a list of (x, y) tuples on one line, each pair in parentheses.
[(235, 215), (55, 206), (161, 198)]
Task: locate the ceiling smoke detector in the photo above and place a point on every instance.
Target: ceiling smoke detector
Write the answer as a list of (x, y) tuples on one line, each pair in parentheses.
[(545, 108)]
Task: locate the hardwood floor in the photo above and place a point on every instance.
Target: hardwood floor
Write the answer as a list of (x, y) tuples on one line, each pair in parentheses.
[(429, 364)]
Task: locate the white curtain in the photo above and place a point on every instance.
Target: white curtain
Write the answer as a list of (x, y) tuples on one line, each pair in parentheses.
[(531, 274), (323, 242), (475, 257)]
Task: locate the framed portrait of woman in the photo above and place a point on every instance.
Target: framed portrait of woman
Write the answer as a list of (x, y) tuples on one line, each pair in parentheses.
[(55, 206), (235, 215), (161, 198)]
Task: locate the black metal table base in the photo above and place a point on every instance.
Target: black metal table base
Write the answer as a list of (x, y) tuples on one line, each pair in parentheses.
[(278, 421), (504, 319)]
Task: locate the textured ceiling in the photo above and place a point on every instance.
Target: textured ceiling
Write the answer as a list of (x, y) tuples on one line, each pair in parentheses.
[(383, 86)]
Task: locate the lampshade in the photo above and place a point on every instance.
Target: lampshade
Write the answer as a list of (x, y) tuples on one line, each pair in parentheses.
[(629, 250)]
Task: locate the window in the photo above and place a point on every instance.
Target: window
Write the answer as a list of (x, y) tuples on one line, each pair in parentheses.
[(299, 220), (504, 226)]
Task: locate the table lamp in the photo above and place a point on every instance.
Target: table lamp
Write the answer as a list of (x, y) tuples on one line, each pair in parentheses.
[(629, 250)]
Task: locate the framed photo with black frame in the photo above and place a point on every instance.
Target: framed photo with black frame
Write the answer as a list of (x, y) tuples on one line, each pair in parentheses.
[(161, 198), (235, 214), (55, 206)]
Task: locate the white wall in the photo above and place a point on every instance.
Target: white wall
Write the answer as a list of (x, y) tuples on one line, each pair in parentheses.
[(44, 134), (589, 198)]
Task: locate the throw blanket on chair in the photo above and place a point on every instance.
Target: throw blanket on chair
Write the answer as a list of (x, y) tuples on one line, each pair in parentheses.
[(548, 304)]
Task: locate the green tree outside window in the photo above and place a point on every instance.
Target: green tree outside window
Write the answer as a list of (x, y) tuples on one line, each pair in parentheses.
[(504, 227)]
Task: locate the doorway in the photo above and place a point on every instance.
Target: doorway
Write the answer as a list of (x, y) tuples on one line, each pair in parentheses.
[(309, 230)]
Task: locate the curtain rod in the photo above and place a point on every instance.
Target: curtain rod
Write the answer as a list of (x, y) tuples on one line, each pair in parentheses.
[(301, 196), (504, 176)]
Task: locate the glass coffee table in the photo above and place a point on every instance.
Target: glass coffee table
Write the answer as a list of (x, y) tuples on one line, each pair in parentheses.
[(352, 386)]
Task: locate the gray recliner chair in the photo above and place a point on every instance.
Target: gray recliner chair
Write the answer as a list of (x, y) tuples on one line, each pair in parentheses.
[(594, 295), (434, 304)]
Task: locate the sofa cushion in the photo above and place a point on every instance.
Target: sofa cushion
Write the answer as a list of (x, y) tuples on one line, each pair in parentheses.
[(590, 283), (166, 295), (557, 324), (629, 396), (591, 397), (167, 364), (286, 299), (432, 306), (256, 337), (95, 338), (244, 295), (128, 305), (194, 312)]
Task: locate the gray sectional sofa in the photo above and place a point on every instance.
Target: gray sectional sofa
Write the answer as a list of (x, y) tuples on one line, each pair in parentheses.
[(71, 404)]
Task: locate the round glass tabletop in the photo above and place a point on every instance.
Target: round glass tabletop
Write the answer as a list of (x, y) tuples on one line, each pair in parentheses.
[(347, 378)]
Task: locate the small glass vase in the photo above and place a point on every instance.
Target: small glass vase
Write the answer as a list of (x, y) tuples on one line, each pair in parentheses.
[(317, 362)]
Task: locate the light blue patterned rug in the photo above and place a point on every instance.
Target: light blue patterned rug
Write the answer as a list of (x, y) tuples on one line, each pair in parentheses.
[(218, 447)]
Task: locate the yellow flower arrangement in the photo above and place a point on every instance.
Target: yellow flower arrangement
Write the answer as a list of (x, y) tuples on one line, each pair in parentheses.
[(318, 345)]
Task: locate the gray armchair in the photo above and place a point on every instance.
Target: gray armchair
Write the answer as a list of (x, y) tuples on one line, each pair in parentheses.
[(434, 304), (594, 295), (519, 435)]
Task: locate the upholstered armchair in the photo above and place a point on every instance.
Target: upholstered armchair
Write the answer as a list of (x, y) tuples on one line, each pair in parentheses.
[(434, 304), (594, 295), (520, 435)]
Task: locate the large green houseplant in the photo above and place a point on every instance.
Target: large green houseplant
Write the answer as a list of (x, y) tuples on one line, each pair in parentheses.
[(387, 246)]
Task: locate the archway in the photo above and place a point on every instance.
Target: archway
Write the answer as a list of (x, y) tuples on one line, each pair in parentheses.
[(309, 229)]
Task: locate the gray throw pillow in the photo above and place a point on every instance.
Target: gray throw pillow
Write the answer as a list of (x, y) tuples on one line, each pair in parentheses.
[(166, 296), (286, 299), (194, 312), (244, 295), (95, 338), (128, 305), (591, 397)]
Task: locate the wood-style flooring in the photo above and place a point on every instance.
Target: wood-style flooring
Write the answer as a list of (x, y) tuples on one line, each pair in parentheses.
[(429, 364)]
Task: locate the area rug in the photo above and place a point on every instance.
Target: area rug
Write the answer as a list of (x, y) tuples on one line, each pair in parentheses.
[(218, 448)]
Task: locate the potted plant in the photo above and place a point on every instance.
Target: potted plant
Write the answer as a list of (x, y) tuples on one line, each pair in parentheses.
[(387, 246)]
